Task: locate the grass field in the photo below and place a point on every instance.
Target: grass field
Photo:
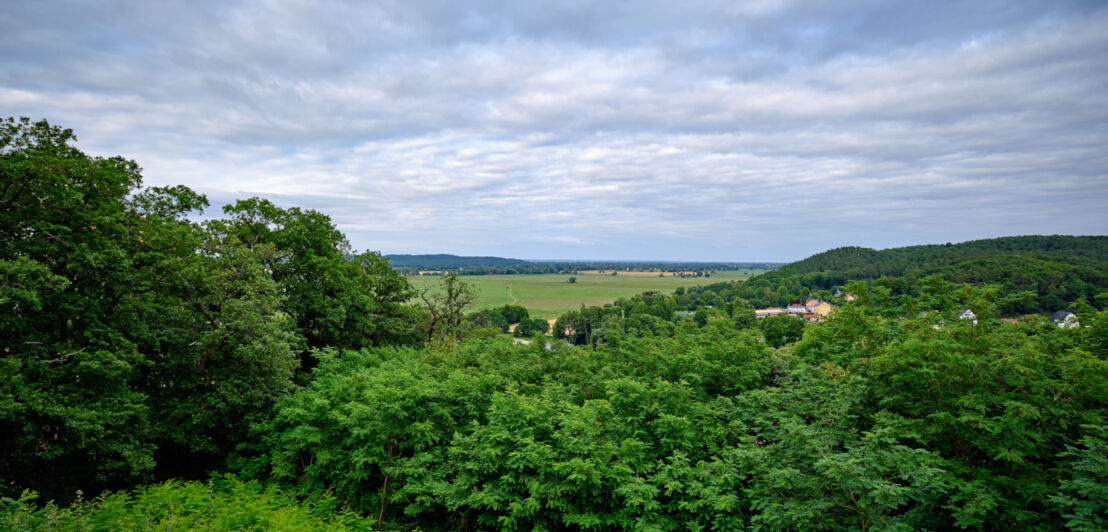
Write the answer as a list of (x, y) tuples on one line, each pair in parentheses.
[(548, 296)]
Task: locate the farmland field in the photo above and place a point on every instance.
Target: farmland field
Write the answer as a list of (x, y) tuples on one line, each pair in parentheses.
[(548, 296)]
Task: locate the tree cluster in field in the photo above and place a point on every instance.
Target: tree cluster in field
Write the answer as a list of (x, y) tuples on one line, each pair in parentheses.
[(504, 317), (317, 390)]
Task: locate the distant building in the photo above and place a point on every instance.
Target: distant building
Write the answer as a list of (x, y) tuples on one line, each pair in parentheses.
[(850, 297), (811, 303), (823, 309), (812, 317), (1065, 320), (797, 308), (1009, 320), (968, 314), (767, 312)]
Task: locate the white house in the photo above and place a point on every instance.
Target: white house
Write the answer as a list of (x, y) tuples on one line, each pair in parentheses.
[(1065, 320)]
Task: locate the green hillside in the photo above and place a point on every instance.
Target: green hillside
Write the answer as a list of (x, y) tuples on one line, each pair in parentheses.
[(864, 263), (1056, 270)]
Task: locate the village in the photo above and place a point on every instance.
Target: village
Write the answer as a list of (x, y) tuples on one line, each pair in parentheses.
[(810, 310), (813, 310)]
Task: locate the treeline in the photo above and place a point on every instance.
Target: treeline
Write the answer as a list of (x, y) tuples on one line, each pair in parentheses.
[(696, 269), (448, 262)]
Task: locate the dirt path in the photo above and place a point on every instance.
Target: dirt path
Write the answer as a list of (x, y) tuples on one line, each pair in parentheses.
[(510, 294)]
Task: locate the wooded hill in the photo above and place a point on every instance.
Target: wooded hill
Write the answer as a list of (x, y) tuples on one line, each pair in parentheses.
[(449, 262), (1056, 270), (866, 263)]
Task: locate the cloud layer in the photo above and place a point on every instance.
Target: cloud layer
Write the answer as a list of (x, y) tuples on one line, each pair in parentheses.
[(704, 131)]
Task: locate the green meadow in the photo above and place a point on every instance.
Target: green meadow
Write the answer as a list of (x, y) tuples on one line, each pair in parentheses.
[(548, 296)]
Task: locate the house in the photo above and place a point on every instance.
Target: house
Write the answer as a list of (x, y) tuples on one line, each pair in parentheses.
[(811, 303), (812, 317), (823, 309), (767, 312), (967, 314), (1009, 320), (797, 308), (1065, 320)]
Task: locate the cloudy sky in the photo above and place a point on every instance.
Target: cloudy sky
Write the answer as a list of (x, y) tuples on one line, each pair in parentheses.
[(746, 131)]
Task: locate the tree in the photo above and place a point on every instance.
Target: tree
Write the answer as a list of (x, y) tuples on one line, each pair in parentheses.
[(700, 316), (70, 412), (528, 327), (445, 305), (742, 313), (781, 330), (126, 327), (337, 298), (232, 353), (571, 280)]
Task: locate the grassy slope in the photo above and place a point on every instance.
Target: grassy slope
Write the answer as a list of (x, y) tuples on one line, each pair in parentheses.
[(548, 296)]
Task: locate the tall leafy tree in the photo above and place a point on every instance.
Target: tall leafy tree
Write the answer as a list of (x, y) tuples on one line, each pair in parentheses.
[(337, 298), (71, 296), (444, 305), (126, 327)]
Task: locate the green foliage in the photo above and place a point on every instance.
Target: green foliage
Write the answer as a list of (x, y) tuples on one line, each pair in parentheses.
[(1055, 270), (73, 303), (495, 435), (781, 330), (868, 422), (445, 307), (138, 343), (500, 318), (742, 312), (1083, 496), (222, 504), (337, 298), (529, 327), (240, 355)]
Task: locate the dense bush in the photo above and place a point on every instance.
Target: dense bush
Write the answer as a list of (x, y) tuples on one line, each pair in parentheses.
[(491, 433), (222, 504), (924, 422)]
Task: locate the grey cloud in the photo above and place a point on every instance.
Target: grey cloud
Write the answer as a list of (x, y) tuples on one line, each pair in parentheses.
[(708, 130)]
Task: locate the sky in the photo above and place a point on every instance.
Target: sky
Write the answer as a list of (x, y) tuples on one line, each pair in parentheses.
[(712, 131)]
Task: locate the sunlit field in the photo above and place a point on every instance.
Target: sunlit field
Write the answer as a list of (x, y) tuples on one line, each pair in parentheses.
[(548, 296)]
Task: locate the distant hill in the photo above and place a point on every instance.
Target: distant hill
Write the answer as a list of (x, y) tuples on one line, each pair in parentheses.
[(1057, 269), (865, 263), (449, 262)]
